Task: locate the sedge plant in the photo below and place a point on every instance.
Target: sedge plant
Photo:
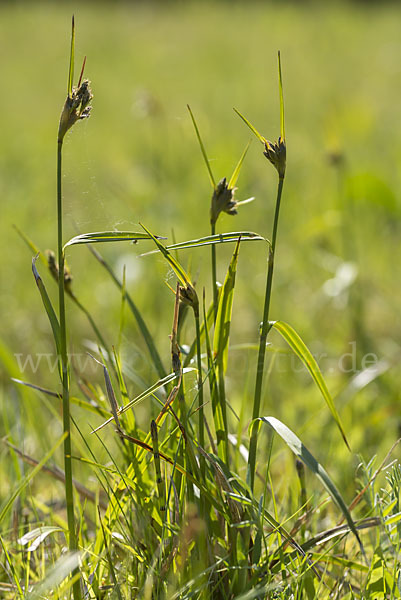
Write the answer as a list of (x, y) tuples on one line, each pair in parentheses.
[(276, 155), (223, 200), (176, 520), (76, 107)]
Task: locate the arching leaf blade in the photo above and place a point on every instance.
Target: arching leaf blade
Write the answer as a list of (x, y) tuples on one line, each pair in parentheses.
[(301, 350), (301, 452)]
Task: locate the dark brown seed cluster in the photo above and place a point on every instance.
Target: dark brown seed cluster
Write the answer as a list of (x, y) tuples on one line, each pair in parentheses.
[(76, 107), (222, 201)]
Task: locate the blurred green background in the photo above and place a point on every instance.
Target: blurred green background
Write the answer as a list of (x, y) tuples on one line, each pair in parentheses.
[(337, 278)]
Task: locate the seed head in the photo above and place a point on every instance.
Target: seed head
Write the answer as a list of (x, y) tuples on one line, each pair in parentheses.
[(76, 107), (222, 201), (276, 154), (54, 270), (189, 296)]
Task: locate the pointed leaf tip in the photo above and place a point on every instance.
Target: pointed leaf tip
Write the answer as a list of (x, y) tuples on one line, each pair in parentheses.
[(71, 67), (236, 172), (251, 127), (202, 148), (280, 85)]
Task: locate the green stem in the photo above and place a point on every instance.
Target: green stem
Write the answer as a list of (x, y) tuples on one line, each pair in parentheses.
[(201, 432), (262, 344), (214, 273), (72, 541)]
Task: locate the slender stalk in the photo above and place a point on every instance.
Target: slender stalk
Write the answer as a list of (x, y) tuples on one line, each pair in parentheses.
[(214, 273), (262, 343), (201, 425), (72, 539)]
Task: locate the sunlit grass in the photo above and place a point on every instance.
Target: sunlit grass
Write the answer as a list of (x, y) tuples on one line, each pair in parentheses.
[(336, 283)]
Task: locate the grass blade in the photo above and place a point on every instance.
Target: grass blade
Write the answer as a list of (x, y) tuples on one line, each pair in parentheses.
[(236, 172), (280, 87), (65, 565), (107, 236), (251, 127), (72, 59), (223, 321), (301, 350), (149, 392), (298, 448), (159, 479), (219, 238), (220, 353), (209, 170), (174, 264), (209, 321), (47, 304)]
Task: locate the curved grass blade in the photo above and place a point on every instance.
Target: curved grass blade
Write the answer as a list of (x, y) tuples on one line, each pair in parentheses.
[(47, 304), (69, 291), (174, 264), (340, 530), (209, 170), (149, 392), (107, 236), (236, 172), (298, 448), (65, 565), (252, 128), (89, 406), (219, 238), (300, 349), (36, 536), (38, 388)]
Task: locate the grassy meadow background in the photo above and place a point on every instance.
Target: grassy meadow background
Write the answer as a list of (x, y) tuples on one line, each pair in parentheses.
[(338, 275)]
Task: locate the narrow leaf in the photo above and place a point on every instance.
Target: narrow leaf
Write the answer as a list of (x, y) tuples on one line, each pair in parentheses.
[(212, 180), (301, 350), (149, 392), (110, 392), (108, 236), (251, 127), (224, 311), (47, 304), (209, 320), (72, 59), (280, 86), (64, 566), (35, 537), (174, 264), (297, 447), (33, 248), (219, 238), (234, 176), (220, 353)]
